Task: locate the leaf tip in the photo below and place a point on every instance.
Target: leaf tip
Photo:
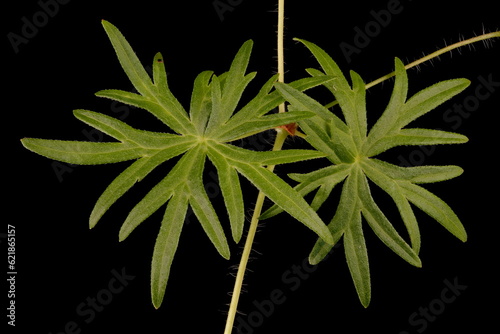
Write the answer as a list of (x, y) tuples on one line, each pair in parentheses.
[(313, 260), (462, 236), (365, 303), (158, 58), (23, 141), (157, 301), (78, 113), (93, 220), (249, 42), (122, 235), (226, 254), (237, 235), (105, 23)]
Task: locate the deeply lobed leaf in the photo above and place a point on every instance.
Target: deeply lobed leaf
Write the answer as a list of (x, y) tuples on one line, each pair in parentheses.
[(351, 148), (213, 121)]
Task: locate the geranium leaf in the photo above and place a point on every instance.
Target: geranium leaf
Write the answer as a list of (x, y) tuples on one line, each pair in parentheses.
[(351, 148), (214, 120)]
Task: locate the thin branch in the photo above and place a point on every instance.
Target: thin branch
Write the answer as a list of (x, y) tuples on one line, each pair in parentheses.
[(416, 63)]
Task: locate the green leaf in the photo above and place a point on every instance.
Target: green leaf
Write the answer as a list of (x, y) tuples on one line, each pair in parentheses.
[(263, 123), (160, 78), (261, 104), (391, 186), (383, 228), (347, 211), (83, 153), (324, 178), (161, 193), (398, 97), (133, 174), (156, 99), (216, 117), (125, 133), (277, 190), (303, 102), (166, 246), (357, 259), (329, 67), (165, 111), (285, 197), (436, 208), (322, 127), (350, 147), (419, 174), (235, 83), (201, 102), (129, 61), (387, 131), (416, 137), (203, 209), (231, 190), (429, 98)]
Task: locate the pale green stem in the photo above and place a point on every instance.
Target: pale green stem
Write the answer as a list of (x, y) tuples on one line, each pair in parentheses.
[(281, 135), (281, 57), (439, 52), (278, 144)]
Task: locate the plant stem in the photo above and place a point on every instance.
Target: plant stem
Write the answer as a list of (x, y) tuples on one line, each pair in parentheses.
[(439, 52), (281, 135), (278, 144), (281, 58)]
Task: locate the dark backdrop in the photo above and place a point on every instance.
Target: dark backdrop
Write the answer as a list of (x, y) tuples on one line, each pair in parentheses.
[(56, 56)]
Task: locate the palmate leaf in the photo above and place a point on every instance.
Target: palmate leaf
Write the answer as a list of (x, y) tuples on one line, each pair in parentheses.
[(351, 149), (205, 132)]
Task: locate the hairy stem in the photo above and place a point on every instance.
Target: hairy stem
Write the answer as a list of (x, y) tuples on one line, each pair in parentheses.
[(281, 58), (433, 55), (281, 135), (278, 144)]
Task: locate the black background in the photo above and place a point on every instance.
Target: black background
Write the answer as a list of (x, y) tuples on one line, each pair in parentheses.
[(61, 263)]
